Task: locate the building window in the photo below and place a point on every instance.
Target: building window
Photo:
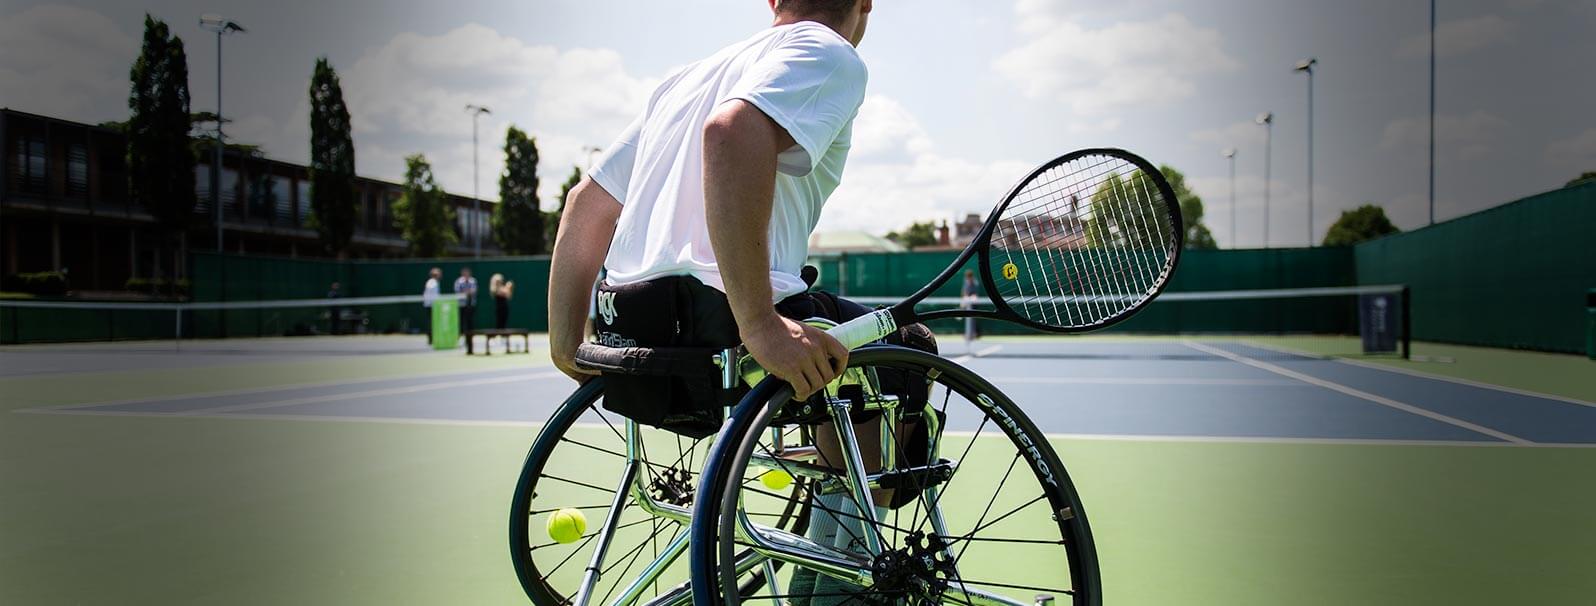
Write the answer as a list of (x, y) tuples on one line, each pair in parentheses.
[(304, 201), (263, 196), (77, 170), (285, 199), (29, 164)]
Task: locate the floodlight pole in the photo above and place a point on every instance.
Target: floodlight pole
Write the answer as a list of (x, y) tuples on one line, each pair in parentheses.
[(1267, 120), (1432, 112), (476, 195), (220, 25), (1230, 154), (1306, 65)]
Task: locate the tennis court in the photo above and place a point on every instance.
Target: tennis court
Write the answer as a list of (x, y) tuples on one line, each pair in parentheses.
[(1216, 469)]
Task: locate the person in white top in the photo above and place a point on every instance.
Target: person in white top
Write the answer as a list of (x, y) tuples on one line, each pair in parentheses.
[(723, 178), (429, 294)]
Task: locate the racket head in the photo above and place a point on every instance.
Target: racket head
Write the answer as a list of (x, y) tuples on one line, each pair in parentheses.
[(1082, 242)]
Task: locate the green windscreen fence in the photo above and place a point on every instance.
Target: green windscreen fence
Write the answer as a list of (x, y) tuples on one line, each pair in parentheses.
[(1511, 276), (874, 275)]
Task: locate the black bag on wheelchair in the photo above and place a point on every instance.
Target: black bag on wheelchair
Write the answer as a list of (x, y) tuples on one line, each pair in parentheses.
[(671, 312)]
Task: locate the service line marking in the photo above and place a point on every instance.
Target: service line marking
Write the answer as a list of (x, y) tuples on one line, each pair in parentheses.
[(1356, 393)]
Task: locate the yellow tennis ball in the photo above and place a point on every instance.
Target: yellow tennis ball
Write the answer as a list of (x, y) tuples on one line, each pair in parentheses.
[(776, 479), (567, 525), (1011, 271)]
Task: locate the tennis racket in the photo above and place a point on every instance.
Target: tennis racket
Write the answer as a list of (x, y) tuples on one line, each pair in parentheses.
[(1082, 242)]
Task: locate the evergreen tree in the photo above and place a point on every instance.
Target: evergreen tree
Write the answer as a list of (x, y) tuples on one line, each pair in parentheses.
[(422, 213), (160, 161), (517, 221), (332, 161)]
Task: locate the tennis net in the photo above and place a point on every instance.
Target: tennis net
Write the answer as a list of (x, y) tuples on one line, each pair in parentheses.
[(1347, 321), (35, 321)]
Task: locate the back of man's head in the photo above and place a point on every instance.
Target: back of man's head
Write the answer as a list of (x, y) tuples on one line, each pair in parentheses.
[(831, 9)]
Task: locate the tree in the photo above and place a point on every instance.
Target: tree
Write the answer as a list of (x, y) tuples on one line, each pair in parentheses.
[(517, 220), (422, 213), (160, 162), (918, 234), (1120, 215), (332, 161), (551, 220), (1360, 224), (1191, 210), (1583, 178)]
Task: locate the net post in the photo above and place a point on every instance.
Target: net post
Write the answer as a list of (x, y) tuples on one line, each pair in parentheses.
[(1407, 323), (177, 339)]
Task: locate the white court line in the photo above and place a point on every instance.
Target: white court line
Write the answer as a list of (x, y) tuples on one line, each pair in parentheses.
[(365, 394), (267, 389), (1425, 375), (1337, 387), (1136, 381), (977, 354), (951, 432)]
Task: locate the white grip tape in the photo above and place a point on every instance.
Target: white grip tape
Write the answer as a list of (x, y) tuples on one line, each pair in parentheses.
[(864, 329)]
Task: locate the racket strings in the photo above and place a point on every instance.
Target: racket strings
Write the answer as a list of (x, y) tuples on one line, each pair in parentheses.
[(1087, 240)]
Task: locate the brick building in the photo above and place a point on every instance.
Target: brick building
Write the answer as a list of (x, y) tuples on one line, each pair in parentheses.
[(64, 205)]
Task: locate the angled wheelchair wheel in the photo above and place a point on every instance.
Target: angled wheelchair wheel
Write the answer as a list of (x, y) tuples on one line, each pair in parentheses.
[(929, 486), (619, 495)]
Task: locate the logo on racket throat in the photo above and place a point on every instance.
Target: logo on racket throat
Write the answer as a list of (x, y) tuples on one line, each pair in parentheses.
[(1010, 271)]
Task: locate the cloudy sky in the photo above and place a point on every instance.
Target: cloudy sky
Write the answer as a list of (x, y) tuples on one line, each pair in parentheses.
[(965, 95)]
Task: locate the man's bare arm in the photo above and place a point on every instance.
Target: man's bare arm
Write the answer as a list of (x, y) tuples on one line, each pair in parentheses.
[(586, 228), (740, 148)]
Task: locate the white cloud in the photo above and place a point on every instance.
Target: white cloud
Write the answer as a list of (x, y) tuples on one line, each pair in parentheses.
[(66, 62), (1577, 152), (409, 95), (1468, 136), (1126, 63), (1244, 134), (1459, 36), (896, 175), (884, 128)]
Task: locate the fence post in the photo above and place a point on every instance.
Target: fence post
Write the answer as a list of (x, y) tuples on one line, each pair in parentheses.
[(1407, 323)]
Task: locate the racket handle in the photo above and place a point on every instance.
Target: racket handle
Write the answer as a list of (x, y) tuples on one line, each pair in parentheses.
[(864, 329)]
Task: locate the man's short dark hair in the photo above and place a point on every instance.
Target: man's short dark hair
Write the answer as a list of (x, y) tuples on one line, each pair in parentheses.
[(828, 8)]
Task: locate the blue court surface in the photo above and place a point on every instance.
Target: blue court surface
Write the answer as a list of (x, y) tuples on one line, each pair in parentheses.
[(1198, 389)]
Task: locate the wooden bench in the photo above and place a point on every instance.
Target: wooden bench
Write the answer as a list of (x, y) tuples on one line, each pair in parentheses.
[(490, 333)]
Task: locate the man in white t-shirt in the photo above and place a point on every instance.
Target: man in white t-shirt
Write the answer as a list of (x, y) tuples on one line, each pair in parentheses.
[(722, 178)]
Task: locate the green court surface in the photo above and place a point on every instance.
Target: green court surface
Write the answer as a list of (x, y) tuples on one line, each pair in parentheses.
[(148, 509)]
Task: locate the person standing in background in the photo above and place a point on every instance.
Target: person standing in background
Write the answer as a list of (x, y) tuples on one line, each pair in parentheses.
[(429, 293), (467, 286), (968, 296), (502, 291), (334, 323)]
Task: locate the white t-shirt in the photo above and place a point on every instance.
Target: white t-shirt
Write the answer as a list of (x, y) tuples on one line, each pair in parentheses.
[(806, 78), (429, 292)]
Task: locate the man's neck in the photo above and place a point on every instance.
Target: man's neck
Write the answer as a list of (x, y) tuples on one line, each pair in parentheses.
[(789, 19)]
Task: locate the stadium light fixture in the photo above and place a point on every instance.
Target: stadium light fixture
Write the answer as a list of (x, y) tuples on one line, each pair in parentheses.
[(222, 26), (476, 195), (1306, 66), (1230, 154), (1267, 120)]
